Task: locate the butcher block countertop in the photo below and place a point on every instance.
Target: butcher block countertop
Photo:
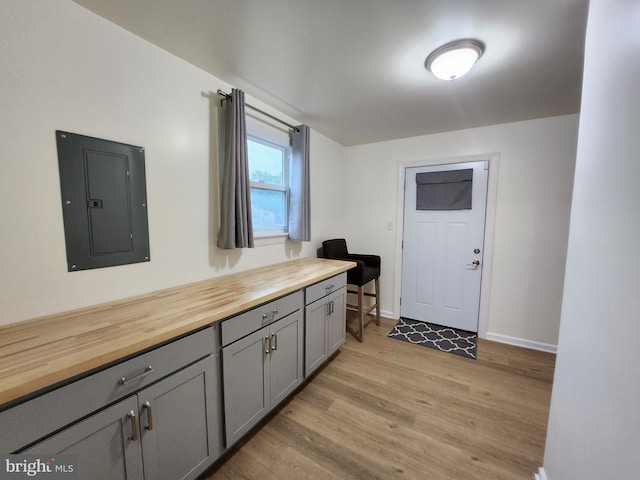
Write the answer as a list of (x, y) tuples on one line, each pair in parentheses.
[(37, 354)]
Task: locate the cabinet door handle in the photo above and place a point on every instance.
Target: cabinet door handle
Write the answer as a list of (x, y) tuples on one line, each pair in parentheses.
[(147, 407), (125, 380), (328, 308), (333, 306), (134, 426), (274, 336), (267, 342)]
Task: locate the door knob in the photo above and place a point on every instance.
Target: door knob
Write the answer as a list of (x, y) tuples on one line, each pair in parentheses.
[(476, 263)]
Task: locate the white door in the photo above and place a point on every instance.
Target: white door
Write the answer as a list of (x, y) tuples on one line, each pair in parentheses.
[(442, 249)]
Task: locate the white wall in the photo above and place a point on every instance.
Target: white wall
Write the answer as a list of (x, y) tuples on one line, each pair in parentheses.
[(532, 215), (62, 67), (594, 422)]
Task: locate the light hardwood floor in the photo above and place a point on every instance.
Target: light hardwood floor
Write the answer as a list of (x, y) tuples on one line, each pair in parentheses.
[(386, 409)]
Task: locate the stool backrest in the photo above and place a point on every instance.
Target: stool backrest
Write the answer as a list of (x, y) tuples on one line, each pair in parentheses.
[(335, 248)]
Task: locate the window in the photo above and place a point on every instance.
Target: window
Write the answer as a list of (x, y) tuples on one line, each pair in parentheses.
[(268, 150)]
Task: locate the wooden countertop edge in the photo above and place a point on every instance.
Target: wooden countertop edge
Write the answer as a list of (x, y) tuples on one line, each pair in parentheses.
[(93, 359)]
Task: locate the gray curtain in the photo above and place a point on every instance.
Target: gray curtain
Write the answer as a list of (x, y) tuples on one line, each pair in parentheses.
[(299, 195), (236, 229)]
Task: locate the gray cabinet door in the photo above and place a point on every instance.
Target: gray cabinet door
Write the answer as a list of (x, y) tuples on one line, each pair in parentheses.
[(325, 326), (315, 351), (336, 322), (103, 444), (259, 371), (179, 419), (246, 383), (285, 363)]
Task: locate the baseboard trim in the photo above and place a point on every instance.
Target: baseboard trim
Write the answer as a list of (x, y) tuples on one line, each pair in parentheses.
[(521, 342), (541, 475), (387, 314)]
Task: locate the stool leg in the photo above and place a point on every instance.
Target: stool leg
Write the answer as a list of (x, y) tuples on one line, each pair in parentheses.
[(361, 312), (378, 301)]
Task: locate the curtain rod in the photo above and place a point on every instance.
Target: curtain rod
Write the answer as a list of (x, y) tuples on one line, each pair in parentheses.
[(226, 95)]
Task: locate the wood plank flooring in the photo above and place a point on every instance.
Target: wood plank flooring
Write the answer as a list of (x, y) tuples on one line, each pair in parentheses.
[(385, 409)]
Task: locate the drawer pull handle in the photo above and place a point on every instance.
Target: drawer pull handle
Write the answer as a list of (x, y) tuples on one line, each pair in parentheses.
[(267, 343), (147, 407), (328, 288), (125, 380), (134, 426), (272, 315), (275, 341)]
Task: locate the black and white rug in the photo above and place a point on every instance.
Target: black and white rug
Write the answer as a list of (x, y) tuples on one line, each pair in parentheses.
[(445, 339)]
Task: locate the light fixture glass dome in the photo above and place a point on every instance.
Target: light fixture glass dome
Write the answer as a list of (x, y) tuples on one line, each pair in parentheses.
[(454, 59)]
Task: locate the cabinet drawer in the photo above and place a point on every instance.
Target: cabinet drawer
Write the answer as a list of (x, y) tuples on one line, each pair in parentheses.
[(235, 328), (43, 415), (325, 287)]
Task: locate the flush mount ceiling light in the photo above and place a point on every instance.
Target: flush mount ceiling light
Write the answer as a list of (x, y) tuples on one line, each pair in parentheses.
[(452, 60)]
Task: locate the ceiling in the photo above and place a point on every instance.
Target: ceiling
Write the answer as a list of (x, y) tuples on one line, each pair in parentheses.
[(354, 69)]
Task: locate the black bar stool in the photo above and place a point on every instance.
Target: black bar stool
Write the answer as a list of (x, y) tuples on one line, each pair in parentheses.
[(367, 270)]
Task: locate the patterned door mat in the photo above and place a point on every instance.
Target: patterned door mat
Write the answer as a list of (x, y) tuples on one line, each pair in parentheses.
[(445, 339)]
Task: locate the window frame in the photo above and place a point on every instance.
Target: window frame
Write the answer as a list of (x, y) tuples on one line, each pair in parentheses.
[(271, 136)]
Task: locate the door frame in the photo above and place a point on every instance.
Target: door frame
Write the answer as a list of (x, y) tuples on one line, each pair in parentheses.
[(489, 228)]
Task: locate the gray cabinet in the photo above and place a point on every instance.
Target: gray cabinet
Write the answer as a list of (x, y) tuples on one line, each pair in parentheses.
[(64, 406), (155, 416), (325, 320), (169, 431), (262, 368)]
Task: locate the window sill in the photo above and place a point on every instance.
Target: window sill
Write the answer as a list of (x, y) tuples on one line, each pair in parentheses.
[(269, 238)]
